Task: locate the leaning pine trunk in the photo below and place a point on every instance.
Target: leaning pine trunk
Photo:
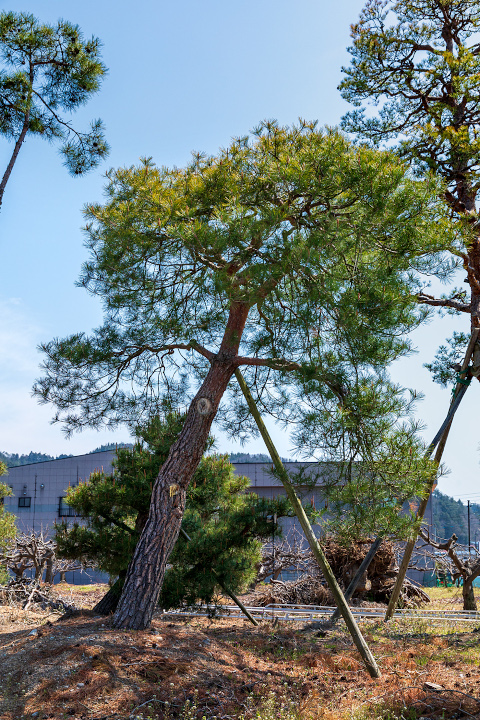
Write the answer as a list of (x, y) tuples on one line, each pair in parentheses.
[(147, 568)]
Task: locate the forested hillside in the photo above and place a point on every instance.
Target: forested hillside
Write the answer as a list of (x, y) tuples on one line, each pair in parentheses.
[(14, 459), (244, 457), (451, 516)]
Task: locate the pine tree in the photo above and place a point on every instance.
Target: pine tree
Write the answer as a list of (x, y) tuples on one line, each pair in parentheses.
[(225, 523), (293, 254), (47, 70), (420, 62)]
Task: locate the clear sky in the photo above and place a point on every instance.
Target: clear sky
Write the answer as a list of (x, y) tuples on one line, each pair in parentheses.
[(183, 76)]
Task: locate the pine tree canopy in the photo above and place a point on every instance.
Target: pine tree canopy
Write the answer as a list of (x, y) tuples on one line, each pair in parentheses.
[(224, 522), (47, 70), (315, 242), (419, 62)]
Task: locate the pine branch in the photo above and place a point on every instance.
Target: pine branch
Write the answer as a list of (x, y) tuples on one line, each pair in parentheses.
[(425, 299)]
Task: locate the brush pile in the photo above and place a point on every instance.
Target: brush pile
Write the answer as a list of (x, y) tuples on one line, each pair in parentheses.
[(29, 595), (307, 590), (376, 584)]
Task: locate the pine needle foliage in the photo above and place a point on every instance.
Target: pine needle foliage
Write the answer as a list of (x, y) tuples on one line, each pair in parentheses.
[(225, 523), (418, 62), (372, 460), (322, 241), (45, 71)]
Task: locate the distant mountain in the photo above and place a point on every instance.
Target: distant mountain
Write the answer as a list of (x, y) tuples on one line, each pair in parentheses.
[(239, 457), (15, 460), (110, 446)]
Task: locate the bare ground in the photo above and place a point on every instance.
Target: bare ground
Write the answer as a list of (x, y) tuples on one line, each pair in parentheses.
[(80, 667)]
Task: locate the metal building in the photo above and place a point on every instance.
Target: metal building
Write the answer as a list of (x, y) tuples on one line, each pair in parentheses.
[(39, 490)]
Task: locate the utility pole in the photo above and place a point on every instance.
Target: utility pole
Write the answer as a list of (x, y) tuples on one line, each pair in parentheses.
[(468, 516)]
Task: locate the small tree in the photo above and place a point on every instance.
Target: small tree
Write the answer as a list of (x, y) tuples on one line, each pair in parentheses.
[(294, 255), (35, 551), (8, 529), (225, 523), (462, 566), (47, 70)]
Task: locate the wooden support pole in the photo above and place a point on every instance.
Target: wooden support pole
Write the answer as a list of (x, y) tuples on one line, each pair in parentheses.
[(318, 553), (457, 396), (225, 588)]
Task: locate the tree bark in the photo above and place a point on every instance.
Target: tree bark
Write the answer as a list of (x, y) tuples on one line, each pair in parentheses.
[(108, 603), (147, 568), (16, 150), (469, 602), (49, 571)]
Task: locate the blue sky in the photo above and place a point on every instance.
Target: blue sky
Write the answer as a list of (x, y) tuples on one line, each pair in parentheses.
[(182, 76)]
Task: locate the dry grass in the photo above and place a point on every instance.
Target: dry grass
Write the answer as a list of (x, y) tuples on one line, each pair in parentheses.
[(83, 668)]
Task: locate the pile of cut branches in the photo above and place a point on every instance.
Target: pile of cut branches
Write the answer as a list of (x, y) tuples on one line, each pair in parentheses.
[(307, 590), (310, 588), (29, 595)]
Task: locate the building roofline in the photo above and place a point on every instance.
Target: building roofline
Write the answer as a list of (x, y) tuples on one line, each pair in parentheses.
[(67, 457)]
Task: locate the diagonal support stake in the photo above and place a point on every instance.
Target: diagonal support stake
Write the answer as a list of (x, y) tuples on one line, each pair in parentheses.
[(441, 439), (318, 553)]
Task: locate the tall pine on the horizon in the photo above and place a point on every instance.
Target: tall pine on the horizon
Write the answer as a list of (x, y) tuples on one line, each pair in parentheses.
[(420, 62)]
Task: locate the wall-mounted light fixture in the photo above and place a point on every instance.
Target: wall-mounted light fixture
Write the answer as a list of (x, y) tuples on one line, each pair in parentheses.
[(42, 486), (24, 489)]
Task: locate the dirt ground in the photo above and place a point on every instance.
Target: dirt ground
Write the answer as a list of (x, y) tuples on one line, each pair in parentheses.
[(80, 667)]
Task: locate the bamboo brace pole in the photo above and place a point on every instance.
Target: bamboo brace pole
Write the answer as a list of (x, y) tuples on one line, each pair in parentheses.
[(318, 553), (457, 396), (224, 587)]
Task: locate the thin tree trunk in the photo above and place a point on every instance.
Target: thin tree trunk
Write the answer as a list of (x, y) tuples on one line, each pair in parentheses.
[(16, 150), (318, 553), (49, 571), (147, 568), (469, 602), (224, 587)]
